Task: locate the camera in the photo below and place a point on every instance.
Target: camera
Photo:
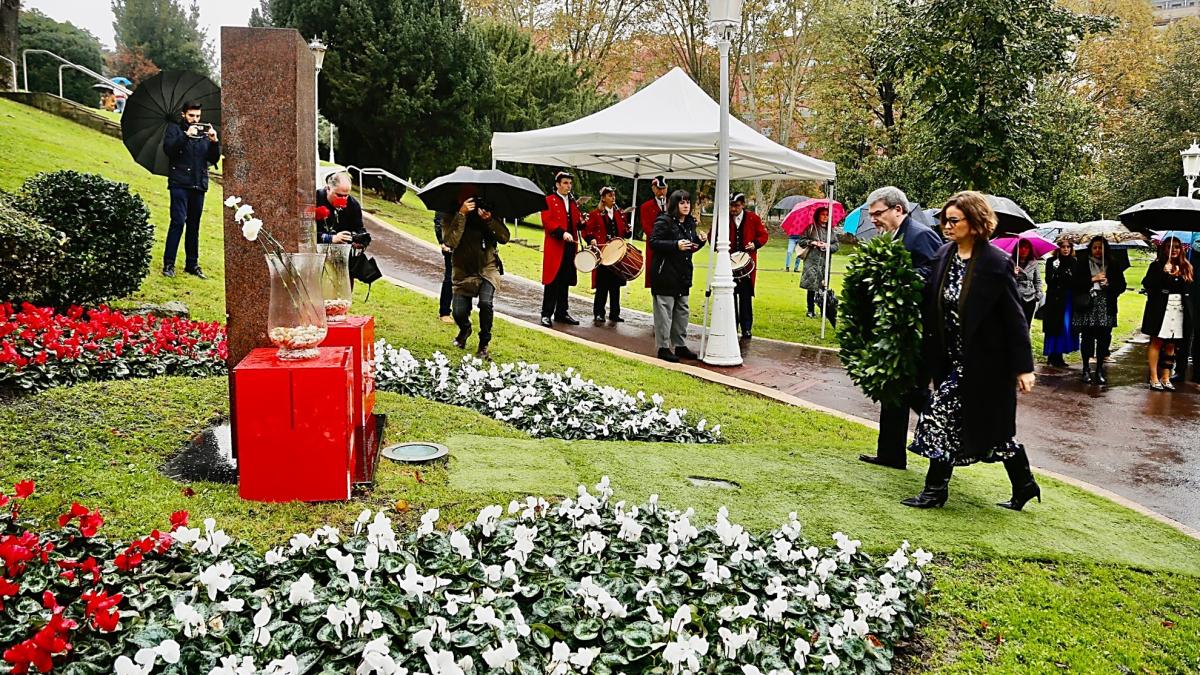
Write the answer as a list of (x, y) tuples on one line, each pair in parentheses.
[(483, 204), (361, 239)]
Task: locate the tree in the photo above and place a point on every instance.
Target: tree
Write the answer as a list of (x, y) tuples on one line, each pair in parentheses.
[(132, 64), (38, 31), (974, 68), (406, 82), (1143, 161), (10, 11), (166, 31)]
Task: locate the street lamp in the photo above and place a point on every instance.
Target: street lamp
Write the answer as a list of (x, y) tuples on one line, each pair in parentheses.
[(1191, 166), (318, 49), (720, 346)]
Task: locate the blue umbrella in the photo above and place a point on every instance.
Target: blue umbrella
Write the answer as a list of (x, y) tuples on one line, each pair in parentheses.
[(858, 218), (124, 82)]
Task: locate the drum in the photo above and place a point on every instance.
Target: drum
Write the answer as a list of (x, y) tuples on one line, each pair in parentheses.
[(743, 264), (624, 260), (587, 259)]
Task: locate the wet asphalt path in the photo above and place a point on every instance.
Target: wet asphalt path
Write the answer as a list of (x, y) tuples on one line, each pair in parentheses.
[(1140, 444)]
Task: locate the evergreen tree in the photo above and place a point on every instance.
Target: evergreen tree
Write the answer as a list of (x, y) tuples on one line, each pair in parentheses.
[(38, 31), (167, 32)]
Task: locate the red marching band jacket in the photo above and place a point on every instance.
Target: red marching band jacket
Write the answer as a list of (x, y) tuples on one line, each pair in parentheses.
[(753, 231), (595, 230), (555, 223), (647, 214)]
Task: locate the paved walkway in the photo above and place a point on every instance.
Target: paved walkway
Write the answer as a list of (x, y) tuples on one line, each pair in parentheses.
[(1142, 445)]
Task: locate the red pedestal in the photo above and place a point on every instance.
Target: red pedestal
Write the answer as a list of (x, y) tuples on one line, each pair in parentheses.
[(358, 333), (293, 425)]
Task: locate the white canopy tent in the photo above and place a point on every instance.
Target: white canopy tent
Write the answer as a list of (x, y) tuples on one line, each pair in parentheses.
[(670, 127)]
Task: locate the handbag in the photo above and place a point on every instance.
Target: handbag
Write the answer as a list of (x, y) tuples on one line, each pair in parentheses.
[(802, 252), (364, 268)]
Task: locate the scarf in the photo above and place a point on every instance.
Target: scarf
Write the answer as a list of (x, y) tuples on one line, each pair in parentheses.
[(1096, 268)]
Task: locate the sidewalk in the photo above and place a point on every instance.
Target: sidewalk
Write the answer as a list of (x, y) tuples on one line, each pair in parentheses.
[(1143, 446)]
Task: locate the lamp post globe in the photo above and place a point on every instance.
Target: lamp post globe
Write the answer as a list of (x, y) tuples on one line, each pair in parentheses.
[(1191, 166), (724, 14), (318, 49)]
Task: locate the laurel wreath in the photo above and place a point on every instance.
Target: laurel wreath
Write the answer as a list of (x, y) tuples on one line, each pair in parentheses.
[(880, 328)]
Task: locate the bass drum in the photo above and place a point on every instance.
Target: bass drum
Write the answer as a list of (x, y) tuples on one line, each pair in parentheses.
[(587, 259), (624, 260), (743, 264)]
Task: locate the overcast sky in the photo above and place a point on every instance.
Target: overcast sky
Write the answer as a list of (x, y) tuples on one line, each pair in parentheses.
[(96, 16)]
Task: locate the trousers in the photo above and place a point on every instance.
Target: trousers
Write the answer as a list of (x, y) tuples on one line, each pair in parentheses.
[(670, 321), (186, 209), (462, 313)]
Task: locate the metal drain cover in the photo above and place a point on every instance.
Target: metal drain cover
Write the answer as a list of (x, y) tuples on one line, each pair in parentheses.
[(415, 452)]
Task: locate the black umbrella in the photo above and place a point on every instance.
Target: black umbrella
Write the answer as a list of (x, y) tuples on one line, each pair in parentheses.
[(1010, 218), (787, 203), (505, 195), (1164, 213), (157, 103)]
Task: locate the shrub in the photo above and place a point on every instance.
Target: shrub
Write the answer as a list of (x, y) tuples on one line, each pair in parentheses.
[(108, 235), (30, 253)]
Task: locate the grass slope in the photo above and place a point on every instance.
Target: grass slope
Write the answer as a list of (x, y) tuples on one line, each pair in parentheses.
[(1077, 583)]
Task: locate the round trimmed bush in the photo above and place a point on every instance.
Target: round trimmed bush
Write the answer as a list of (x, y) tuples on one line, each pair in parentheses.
[(108, 235), (30, 252)]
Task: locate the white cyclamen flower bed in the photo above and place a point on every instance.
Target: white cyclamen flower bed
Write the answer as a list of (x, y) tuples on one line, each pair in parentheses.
[(541, 404), (582, 586)]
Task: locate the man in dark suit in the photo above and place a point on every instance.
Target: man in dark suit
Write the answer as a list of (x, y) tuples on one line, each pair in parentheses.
[(191, 146), (888, 208)]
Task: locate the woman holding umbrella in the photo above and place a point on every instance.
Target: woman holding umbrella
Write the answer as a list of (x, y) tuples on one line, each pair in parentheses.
[(1029, 280), (814, 277), (1098, 283), (1060, 338), (1167, 318), (976, 347)]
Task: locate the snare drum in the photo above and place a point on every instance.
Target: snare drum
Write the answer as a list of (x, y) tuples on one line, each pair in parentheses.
[(587, 259), (743, 264), (622, 258)]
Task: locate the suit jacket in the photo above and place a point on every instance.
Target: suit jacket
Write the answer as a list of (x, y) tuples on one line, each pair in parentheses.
[(647, 215), (996, 344), (752, 231), (597, 231), (555, 251), (921, 243)]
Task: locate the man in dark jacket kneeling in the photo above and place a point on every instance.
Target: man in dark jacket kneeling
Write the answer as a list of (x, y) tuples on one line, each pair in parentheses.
[(191, 146)]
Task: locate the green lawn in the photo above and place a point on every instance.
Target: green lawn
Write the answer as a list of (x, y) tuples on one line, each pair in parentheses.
[(1076, 584)]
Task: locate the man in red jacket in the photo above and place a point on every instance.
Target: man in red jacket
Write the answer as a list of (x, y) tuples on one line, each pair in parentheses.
[(649, 212), (605, 224), (561, 223), (746, 233)]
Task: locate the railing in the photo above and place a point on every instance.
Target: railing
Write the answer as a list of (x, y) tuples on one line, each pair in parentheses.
[(376, 171), (86, 71), (13, 65)]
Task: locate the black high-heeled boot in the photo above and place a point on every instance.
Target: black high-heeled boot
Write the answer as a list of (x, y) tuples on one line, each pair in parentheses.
[(1024, 487), (937, 487)]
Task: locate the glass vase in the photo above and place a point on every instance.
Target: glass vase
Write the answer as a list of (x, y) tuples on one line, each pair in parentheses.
[(296, 316), (335, 281)]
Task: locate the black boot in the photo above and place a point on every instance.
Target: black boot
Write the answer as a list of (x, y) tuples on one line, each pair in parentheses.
[(1087, 373), (937, 487), (1101, 377), (1057, 361), (1024, 487)]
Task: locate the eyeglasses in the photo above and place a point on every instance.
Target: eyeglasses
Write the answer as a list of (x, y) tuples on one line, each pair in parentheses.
[(876, 214), (953, 222)]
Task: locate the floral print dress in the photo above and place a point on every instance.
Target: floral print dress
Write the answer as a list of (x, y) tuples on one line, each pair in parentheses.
[(939, 434)]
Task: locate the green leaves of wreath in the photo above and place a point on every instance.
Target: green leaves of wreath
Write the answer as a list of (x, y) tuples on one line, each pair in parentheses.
[(880, 328)]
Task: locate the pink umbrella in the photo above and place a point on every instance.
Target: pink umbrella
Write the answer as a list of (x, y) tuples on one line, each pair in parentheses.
[(801, 216), (1041, 245)]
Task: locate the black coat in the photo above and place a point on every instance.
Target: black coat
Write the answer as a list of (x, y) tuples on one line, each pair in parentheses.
[(1081, 283), (672, 267), (921, 242), (1159, 285), (995, 343), (1059, 272), (349, 219), (189, 158)]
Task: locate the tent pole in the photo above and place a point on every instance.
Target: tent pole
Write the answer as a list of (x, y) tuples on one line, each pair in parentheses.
[(828, 261), (632, 236)]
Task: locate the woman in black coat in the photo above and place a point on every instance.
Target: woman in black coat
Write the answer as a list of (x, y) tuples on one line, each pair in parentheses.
[(1061, 338), (976, 347), (1098, 283), (1167, 319), (673, 240)]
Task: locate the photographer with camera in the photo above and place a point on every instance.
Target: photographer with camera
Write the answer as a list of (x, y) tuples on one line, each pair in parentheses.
[(339, 215), (473, 234), (191, 146)]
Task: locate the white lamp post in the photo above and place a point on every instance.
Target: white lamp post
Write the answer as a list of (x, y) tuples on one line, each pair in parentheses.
[(720, 336), (318, 50), (1191, 166)]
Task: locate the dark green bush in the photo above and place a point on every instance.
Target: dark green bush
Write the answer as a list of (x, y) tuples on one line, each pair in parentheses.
[(108, 235), (30, 252)]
